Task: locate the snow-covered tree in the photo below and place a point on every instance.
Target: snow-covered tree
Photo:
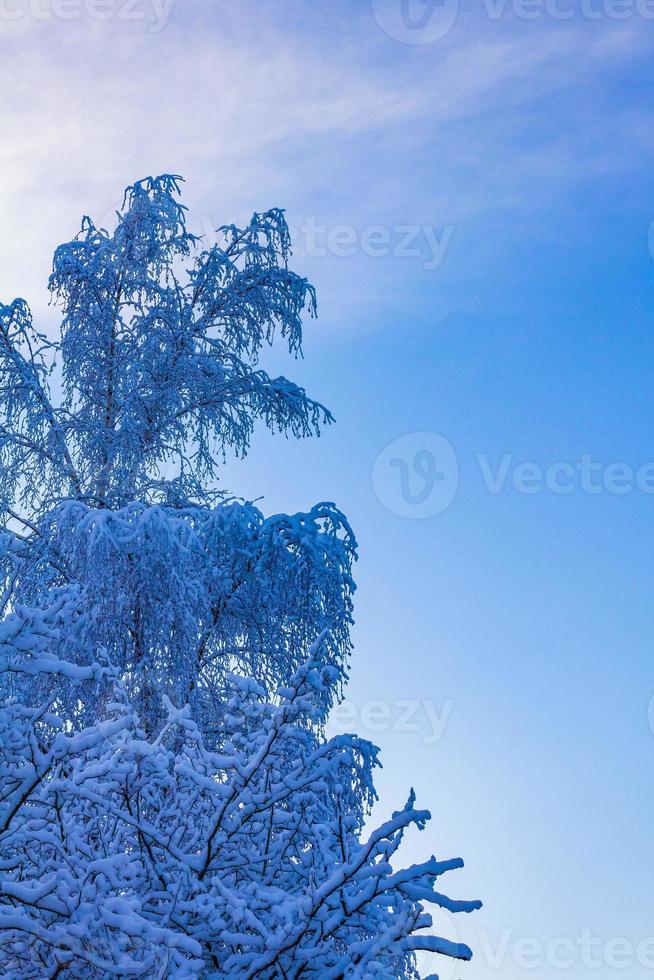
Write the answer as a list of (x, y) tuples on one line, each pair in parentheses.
[(169, 803)]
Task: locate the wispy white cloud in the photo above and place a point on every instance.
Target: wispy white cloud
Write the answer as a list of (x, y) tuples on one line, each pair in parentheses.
[(326, 116)]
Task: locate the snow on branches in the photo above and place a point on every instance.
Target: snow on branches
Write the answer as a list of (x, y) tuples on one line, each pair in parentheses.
[(169, 803)]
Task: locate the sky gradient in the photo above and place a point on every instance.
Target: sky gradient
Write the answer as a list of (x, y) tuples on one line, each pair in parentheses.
[(474, 209)]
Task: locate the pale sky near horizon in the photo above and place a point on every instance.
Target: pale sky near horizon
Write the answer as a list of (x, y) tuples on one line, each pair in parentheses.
[(474, 208)]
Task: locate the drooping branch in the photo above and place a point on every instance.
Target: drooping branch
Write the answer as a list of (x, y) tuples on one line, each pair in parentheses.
[(30, 421)]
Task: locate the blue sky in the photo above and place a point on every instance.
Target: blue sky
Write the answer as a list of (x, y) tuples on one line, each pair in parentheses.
[(504, 645)]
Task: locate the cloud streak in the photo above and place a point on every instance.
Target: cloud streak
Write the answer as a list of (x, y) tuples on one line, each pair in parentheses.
[(326, 116)]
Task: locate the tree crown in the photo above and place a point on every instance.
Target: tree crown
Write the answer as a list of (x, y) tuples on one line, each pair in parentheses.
[(159, 361)]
